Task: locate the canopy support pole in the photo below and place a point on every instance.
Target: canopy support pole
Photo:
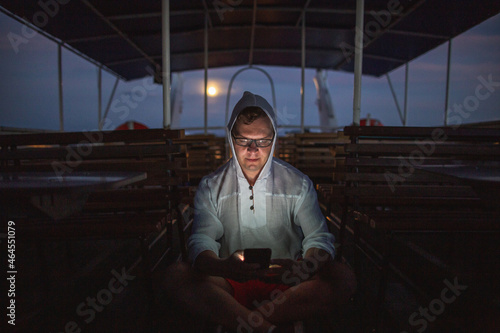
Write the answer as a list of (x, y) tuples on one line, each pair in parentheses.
[(395, 98), (447, 95), (405, 118), (109, 102), (165, 33), (99, 97), (302, 71), (60, 84), (205, 50), (358, 61)]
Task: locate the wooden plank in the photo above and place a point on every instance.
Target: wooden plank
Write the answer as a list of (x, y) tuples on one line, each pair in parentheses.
[(411, 191), (145, 135), (98, 226), (421, 151), (127, 199), (397, 162), (438, 223), (394, 132), (90, 152), (313, 150), (416, 177), (422, 202)]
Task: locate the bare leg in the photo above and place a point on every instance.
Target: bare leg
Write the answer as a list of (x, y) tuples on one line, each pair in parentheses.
[(210, 298), (328, 290)]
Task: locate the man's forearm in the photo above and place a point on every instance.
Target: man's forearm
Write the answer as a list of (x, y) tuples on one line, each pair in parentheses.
[(317, 258), (209, 263)]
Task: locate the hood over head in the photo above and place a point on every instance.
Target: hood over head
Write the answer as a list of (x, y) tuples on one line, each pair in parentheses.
[(251, 100)]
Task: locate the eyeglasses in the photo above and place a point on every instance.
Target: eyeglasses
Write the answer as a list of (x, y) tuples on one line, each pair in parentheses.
[(244, 142)]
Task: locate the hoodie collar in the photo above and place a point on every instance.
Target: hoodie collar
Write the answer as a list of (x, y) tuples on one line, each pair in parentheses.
[(251, 100)]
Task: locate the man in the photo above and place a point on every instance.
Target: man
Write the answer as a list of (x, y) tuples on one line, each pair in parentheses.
[(257, 201)]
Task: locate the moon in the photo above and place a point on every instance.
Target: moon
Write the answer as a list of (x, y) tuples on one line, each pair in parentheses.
[(212, 91)]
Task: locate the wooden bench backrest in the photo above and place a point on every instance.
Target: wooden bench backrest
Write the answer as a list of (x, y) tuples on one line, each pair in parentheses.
[(201, 155), (149, 151), (312, 153), (384, 161)]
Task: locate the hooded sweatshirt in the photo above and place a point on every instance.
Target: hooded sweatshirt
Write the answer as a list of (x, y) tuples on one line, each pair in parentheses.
[(285, 215)]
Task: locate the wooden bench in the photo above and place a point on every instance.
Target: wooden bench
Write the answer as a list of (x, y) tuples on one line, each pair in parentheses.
[(387, 195), (312, 153), (285, 148), (144, 210), (201, 155)]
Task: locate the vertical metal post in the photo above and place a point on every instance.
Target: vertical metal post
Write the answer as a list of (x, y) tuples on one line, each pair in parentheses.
[(447, 95), (205, 47), (99, 98), (252, 34), (405, 117), (302, 72), (110, 99), (358, 61), (395, 100), (165, 33), (59, 76)]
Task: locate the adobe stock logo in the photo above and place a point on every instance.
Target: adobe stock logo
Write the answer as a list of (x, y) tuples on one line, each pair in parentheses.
[(88, 309), (373, 28), (221, 7), (425, 148), (436, 307), (49, 9)]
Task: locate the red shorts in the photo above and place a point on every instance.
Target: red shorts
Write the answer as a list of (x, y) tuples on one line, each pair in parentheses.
[(252, 293)]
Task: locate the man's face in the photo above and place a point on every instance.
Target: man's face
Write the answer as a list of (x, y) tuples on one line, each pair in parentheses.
[(252, 158)]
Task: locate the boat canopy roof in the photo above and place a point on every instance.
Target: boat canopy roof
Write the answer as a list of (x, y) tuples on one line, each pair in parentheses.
[(125, 35)]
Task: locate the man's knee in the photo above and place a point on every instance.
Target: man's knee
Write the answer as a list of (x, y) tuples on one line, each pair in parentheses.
[(175, 276), (341, 281), (345, 278)]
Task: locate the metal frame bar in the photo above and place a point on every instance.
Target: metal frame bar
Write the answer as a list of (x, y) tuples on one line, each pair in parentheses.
[(205, 59), (99, 96), (302, 71), (241, 8), (358, 61), (165, 32), (320, 52), (57, 41), (208, 23), (109, 101), (389, 26), (407, 68), (60, 86), (447, 93), (231, 85), (206, 10), (252, 36), (417, 34), (233, 27), (121, 33), (395, 98), (302, 14)]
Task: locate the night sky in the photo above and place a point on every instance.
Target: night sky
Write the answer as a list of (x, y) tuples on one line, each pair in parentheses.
[(29, 93)]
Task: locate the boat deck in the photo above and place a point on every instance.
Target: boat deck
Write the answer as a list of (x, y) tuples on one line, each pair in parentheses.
[(83, 293)]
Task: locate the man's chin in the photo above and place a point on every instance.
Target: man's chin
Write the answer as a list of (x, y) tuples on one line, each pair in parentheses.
[(252, 167)]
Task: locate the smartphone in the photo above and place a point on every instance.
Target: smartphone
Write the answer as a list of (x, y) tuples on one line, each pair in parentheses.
[(258, 256)]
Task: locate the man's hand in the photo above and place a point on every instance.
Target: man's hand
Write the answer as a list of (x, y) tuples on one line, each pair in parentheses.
[(232, 267), (288, 271), (236, 269), (293, 272)]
